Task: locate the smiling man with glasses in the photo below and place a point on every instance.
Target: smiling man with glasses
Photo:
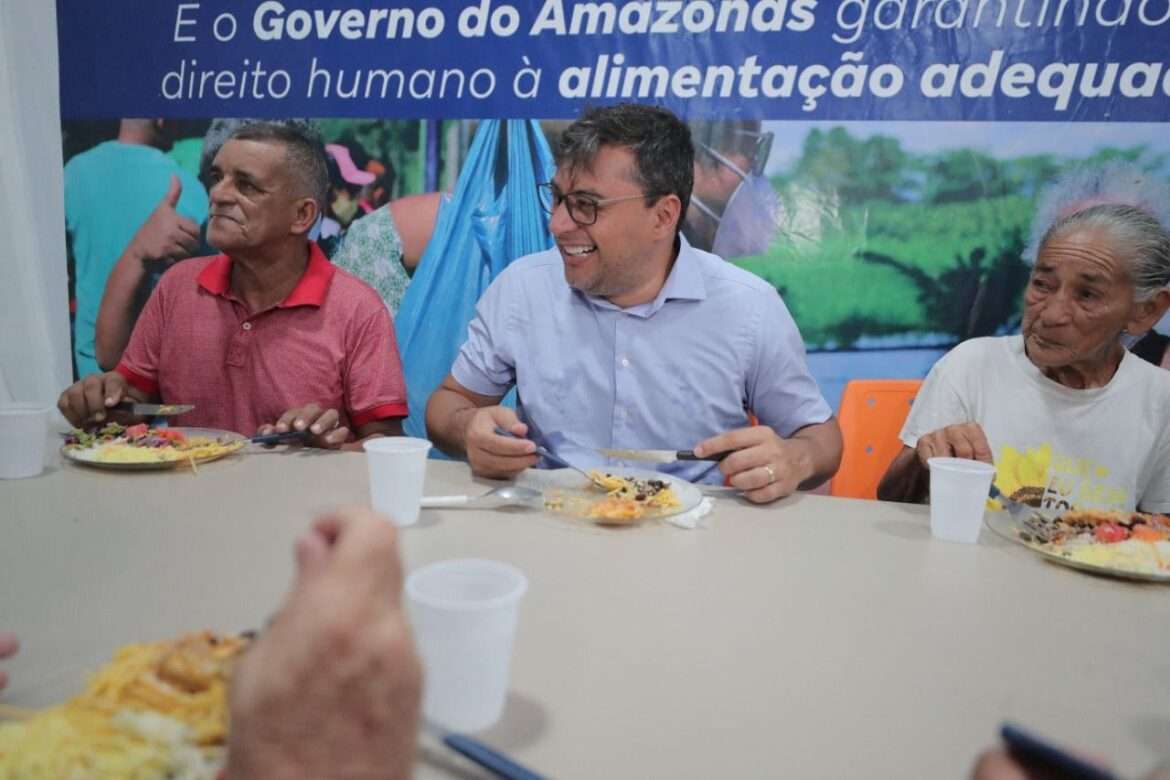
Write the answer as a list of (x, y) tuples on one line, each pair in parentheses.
[(624, 336)]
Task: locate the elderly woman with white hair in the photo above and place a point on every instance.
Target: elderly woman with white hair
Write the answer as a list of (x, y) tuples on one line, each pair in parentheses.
[(1066, 414)]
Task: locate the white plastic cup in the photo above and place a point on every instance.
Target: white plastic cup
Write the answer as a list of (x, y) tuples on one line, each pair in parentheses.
[(464, 614), (24, 430), (958, 496), (398, 468)]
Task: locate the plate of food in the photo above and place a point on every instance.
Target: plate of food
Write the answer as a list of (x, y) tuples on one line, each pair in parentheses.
[(154, 710), (1129, 545), (617, 497), (143, 448)]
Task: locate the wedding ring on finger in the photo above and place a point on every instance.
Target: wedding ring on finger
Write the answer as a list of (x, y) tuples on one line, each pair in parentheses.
[(771, 472)]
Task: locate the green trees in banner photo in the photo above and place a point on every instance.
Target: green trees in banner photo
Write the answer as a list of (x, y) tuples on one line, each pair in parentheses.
[(885, 247)]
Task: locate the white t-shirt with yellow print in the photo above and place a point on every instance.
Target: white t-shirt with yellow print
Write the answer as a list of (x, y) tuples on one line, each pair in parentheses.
[(1102, 448)]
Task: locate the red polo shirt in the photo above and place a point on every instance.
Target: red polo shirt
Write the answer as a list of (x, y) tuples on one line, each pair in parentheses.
[(330, 342)]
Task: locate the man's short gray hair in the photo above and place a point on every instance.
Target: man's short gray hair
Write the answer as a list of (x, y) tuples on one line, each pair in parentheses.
[(1133, 234), (302, 141)]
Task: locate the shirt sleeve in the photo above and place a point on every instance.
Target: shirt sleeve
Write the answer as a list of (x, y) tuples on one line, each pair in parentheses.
[(374, 385), (1156, 497), (937, 405), (781, 391), (486, 363), (140, 361)]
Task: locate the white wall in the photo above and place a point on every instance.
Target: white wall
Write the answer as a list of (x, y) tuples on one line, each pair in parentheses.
[(34, 316)]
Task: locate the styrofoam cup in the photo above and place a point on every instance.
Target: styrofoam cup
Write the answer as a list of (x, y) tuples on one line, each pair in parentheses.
[(958, 496), (24, 430), (398, 468), (464, 614)]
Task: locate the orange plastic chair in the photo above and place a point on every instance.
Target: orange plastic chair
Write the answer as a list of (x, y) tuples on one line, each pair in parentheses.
[(871, 416)]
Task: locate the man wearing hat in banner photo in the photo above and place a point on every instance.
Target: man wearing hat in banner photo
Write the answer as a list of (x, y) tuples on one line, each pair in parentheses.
[(269, 335), (734, 210), (625, 336)]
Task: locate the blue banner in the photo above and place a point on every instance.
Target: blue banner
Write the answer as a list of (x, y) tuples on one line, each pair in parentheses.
[(1001, 60)]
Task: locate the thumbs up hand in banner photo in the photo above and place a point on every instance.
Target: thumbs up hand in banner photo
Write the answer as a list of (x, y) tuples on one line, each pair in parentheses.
[(166, 233)]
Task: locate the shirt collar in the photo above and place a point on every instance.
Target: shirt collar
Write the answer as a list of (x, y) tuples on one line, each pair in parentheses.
[(683, 283), (216, 278)]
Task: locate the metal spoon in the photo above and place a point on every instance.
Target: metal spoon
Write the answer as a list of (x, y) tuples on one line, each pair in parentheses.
[(508, 495)]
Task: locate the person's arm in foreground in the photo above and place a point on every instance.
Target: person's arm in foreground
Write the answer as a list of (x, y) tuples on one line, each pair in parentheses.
[(333, 686), (908, 478), (767, 467), (463, 423), (8, 647), (165, 234)]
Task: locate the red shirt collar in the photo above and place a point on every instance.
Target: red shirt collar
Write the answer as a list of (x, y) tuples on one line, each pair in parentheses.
[(216, 278)]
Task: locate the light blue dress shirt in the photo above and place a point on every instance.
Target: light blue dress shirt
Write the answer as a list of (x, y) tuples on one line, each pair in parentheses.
[(715, 343)]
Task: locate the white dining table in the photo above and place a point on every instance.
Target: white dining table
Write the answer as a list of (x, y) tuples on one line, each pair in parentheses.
[(813, 637)]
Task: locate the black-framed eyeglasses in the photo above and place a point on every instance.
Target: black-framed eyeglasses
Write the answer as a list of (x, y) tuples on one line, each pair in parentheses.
[(583, 209)]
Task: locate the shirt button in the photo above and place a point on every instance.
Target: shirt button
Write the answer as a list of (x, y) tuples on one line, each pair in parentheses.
[(247, 326), (625, 362)]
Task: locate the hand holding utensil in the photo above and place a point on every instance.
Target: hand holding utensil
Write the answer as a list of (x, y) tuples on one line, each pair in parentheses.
[(552, 457), (283, 437)]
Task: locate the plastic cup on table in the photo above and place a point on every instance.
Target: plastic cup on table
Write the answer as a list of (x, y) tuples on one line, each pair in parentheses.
[(398, 468), (958, 496), (464, 615), (24, 430)]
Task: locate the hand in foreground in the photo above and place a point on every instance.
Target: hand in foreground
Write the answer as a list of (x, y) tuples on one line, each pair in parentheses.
[(489, 453), (965, 440), (1002, 764), (8, 647), (763, 465), (324, 425), (166, 233), (333, 686), (89, 399)]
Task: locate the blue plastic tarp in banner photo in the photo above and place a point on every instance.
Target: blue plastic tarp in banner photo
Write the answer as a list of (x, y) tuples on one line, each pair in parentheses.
[(494, 218)]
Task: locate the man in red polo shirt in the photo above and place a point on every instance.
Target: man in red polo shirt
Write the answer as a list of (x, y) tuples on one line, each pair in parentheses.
[(269, 335)]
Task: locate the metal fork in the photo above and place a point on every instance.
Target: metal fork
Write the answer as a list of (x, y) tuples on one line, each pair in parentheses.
[(1036, 521), (553, 457)]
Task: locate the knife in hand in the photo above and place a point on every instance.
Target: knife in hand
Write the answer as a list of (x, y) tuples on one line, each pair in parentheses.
[(661, 456), (152, 410)]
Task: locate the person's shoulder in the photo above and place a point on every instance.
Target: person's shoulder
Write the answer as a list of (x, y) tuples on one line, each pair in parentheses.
[(723, 276), (83, 162), (986, 347), (182, 277), (1155, 378), (355, 296), (975, 356), (188, 269), (542, 267), (537, 262), (377, 222)]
